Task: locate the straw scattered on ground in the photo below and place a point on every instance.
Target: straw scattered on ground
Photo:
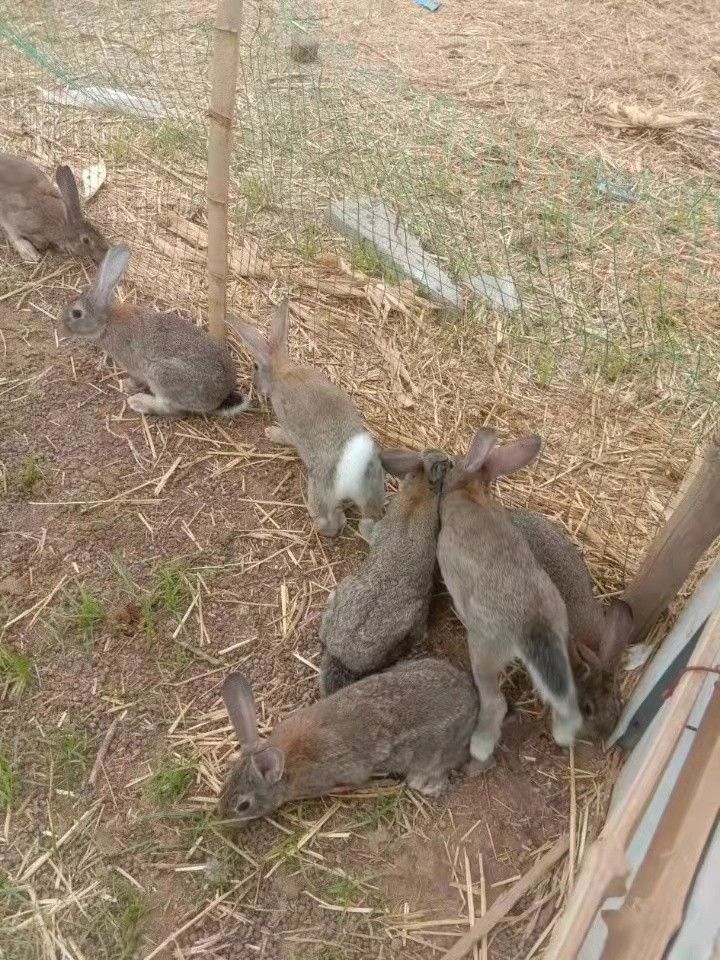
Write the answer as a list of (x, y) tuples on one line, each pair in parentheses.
[(142, 560)]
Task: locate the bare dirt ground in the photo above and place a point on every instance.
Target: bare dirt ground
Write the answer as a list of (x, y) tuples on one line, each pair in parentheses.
[(144, 560), (140, 561), (559, 68)]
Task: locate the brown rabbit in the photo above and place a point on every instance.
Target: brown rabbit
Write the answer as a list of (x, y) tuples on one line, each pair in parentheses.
[(412, 721), (320, 421), (596, 681), (508, 604), (183, 370), (35, 214)]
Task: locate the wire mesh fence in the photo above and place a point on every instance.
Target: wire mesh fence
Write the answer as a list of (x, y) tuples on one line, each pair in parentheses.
[(555, 294)]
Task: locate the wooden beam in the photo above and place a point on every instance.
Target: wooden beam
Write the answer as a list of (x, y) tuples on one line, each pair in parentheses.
[(693, 526), (604, 869), (653, 912), (223, 78), (371, 221)]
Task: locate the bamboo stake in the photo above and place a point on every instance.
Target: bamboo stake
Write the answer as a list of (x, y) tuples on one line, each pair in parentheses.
[(679, 544), (653, 913), (222, 111), (605, 868)]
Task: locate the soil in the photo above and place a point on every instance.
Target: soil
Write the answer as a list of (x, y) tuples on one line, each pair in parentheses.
[(225, 508)]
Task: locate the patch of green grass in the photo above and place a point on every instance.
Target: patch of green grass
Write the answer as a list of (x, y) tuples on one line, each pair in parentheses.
[(8, 782), (170, 783), (365, 259), (384, 812), (287, 850), (117, 924), (309, 243), (10, 278), (170, 591), (29, 475), (344, 892), (545, 368), (148, 617), (11, 896), (87, 612), (611, 364), (16, 672), (170, 139), (257, 194), (120, 150), (71, 756)]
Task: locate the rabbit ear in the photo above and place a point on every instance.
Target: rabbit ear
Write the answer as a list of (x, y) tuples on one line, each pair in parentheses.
[(279, 327), (269, 763), (240, 704), (110, 273), (513, 457), (252, 337), (67, 185), (483, 442), (398, 461)]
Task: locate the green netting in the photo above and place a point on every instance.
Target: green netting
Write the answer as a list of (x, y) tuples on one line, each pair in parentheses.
[(612, 352)]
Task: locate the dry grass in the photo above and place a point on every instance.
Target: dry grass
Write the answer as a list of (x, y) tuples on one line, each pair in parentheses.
[(613, 359)]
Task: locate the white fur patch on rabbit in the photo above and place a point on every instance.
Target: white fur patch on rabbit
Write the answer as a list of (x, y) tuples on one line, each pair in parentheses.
[(356, 456)]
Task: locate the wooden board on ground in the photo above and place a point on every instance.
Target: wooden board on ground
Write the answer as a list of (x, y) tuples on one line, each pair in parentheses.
[(372, 221)]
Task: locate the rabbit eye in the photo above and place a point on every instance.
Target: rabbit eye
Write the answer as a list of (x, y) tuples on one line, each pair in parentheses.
[(255, 367), (76, 313), (86, 239), (242, 806)]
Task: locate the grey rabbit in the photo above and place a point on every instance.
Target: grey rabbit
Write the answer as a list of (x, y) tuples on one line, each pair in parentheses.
[(508, 604), (319, 420), (591, 632), (36, 213), (184, 370), (412, 721), (376, 615)]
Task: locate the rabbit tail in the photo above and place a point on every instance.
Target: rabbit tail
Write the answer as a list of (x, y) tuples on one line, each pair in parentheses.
[(233, 404), (545, 655)]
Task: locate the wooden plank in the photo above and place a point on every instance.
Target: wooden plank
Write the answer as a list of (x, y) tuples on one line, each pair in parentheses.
[(372, 221), (693, 526), (362, 218), (604, 869), (501, 292), (653, 912)]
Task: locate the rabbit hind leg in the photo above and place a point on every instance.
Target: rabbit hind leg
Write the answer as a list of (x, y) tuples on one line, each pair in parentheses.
[(147, 403), (545, 656), (493, 706), (327, 514), (24, 248), (430, 783)]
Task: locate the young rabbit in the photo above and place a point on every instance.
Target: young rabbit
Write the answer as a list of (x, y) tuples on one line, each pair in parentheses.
[(35, 214), (182, 367), (510, 607), (320, 421), (412, 721), (590, 631), (376, 616)]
